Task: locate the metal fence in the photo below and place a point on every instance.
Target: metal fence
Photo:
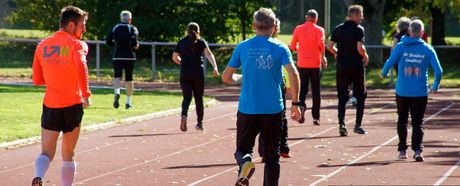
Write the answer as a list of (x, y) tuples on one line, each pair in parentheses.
[(98, 44), (153, 46)]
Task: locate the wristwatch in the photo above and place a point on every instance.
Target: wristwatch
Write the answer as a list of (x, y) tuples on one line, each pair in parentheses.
[(295, 103)]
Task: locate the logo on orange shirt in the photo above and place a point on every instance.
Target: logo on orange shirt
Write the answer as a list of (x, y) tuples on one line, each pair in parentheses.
[(55, 49)]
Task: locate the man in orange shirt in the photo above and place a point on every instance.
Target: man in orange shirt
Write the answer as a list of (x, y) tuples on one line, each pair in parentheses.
[(308, 40), (60, 65)]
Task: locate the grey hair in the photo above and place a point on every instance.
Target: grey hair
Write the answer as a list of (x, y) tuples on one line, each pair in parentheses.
[(264, 20), (312, 13), (416, 26), (125, 16), (402, 24), (354, 10)]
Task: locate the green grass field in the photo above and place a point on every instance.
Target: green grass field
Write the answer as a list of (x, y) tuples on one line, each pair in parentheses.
[(16, 33), (21, 108)]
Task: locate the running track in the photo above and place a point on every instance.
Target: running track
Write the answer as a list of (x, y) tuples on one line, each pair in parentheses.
[(155, 152)]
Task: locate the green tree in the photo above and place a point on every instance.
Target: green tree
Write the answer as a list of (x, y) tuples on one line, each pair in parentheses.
[(435, 19), (157, 20)]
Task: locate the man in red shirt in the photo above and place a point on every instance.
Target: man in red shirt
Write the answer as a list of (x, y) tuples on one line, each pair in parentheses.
[(308, 40), (60, 65)]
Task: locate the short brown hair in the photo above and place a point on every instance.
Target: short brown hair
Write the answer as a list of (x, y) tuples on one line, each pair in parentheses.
[(264, 19), (71, 14), (354, 10)]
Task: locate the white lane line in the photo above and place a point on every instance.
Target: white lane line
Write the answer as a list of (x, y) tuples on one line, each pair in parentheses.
[(161, 157), (447, 174), (151, 160), (291, 145), (115, 143), (373, 150)]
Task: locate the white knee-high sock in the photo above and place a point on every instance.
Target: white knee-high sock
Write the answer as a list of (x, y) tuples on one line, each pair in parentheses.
[(116, 85), (67, 172), (42, 163)]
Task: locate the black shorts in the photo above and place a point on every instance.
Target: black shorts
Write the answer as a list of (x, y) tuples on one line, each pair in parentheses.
[(127, 65), (62, 119)]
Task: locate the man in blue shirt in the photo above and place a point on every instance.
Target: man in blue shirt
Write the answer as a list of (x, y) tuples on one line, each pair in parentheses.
[(413, 57), (260, 105)]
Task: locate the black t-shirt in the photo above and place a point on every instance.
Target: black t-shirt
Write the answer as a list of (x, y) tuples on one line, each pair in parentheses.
[(124, 37), (346, 35), (191, 54), (399, 35)]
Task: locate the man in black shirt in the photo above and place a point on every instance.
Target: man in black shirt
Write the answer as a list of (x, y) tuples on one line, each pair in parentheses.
[(124, 37), (351, 58)]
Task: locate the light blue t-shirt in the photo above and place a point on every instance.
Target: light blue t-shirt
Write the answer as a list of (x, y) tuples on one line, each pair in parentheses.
[(261, 59)]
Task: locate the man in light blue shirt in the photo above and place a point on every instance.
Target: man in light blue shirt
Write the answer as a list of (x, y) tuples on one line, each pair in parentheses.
[(261, 105), (413, 57)]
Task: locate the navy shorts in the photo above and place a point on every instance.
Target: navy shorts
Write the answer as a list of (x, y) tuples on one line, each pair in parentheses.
[(62, 119), (127, 65)]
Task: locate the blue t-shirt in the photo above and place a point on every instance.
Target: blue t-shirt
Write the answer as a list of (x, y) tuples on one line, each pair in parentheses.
[(261, 59), (413, 56)]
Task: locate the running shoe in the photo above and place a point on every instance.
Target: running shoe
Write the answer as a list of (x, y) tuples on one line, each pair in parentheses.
[(37, 181), (285, 155), (116, 104), (359, 130), (183, 124), (246, 172), (128, 106), (418, 156), (343, 131), (302, 115), (316, 122), (199, 126), (402, 155), (353, 101)]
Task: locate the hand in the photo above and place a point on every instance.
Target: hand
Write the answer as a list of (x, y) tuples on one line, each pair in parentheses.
[(324, 63), (295, 113), (366, 60), (215, 72), (381, 77), (86, 102)]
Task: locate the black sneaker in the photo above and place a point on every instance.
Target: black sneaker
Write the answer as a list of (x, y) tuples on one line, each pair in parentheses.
[(418, 156), (316, 122), (343, 131), (183, 123), (359, 130), (116, 104), (246, 172), (37, 181), (402, 155), (302, 115), (199, 126), (128, 106)]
